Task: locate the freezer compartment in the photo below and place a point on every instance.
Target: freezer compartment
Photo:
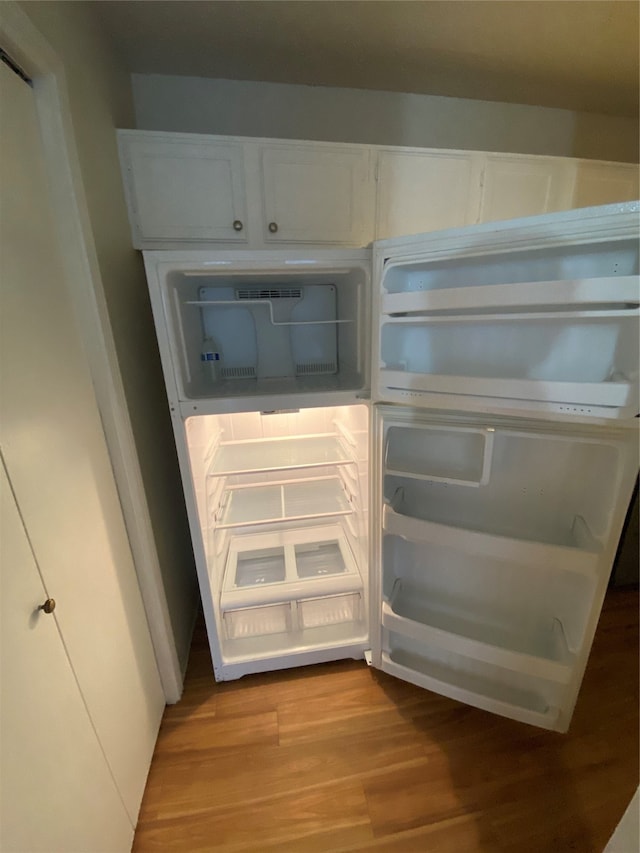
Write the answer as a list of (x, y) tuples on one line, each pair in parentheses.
[(577, 359), (527, 616), (270, 332), (552, 489), (518, 696)]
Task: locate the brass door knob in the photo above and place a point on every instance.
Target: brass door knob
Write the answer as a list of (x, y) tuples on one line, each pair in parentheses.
[(273, 227), (49, 606), (237, 225)]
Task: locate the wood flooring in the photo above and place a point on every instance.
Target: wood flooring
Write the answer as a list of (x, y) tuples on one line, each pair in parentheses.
[(339, 757)]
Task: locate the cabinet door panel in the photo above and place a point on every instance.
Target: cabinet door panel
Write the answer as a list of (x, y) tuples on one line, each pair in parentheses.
[(521, 186), (313, 194), (57, 793), (180, 190), (55, 451), (605, 183), (424, 192)]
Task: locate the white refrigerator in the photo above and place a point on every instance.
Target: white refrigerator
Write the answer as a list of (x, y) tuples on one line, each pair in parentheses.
[(420, 454)]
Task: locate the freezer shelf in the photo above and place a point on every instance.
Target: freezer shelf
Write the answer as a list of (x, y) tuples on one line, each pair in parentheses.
[(255, 505), (544, 654), (278, 454), (582, 555)]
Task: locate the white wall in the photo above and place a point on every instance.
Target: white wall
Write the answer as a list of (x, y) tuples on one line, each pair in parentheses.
[(234, 107), (100, 100)]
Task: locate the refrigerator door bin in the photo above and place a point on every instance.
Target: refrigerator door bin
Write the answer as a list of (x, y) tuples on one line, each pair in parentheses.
[(580, 359), (546, 489), (454, 455), (490, 259), (539, 316), (475, 683)]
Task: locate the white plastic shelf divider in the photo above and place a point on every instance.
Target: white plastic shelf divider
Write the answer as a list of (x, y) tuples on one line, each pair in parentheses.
[(267, 504), (556, 668), (479, 692), (523, 295), (583, 558), (258, 456)]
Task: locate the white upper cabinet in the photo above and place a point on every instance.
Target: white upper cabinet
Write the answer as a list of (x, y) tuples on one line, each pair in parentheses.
[(604, 183), (515, 186), (182, 189), (425, 191), (186, 188), (313, 193)]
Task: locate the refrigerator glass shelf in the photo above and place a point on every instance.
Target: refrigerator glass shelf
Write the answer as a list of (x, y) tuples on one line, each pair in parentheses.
[(542, 651), (278, 454), (266, 504)]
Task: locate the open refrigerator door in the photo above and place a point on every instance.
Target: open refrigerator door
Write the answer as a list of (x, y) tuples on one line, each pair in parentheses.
[(498, 519)]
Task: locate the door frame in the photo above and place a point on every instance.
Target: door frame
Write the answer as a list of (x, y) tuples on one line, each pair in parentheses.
[(26, 46)]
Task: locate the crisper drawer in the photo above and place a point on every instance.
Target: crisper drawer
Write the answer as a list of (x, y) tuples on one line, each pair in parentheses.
[(292, 616), (288, 581)]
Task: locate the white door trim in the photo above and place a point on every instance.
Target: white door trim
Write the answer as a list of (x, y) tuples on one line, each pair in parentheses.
[(24, 43)]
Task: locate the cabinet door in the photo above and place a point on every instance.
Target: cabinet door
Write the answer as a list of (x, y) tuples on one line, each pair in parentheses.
[(178, 189), (313, 194), (523, 186), (605, 183), (56, 792), (420, 192), (56, 454)]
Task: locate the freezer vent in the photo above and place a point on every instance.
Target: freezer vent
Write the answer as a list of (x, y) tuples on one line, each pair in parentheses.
[(275, 293), (316, 367), (238, 372)]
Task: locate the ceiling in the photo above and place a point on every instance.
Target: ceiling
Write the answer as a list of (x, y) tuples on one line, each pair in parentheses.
[(562, 53)]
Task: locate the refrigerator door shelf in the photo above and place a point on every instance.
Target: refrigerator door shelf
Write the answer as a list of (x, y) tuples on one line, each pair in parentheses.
[(587, 293), (534, 317), (544, 654), (478, 691), (456, 456), (582, 556)]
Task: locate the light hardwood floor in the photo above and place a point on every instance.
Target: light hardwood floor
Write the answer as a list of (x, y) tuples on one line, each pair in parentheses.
[(339, 757)]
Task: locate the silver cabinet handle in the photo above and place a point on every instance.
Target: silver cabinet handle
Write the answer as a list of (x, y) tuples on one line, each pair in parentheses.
[(237, 225), (273, 227)]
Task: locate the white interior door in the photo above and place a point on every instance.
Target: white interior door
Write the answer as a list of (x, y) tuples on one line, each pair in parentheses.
[(57, 793), (538, 317), (58, 463), (496, 541)]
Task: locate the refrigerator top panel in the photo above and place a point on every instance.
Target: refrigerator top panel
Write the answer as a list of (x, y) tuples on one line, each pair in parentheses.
[(238, 331), (536, 317)]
